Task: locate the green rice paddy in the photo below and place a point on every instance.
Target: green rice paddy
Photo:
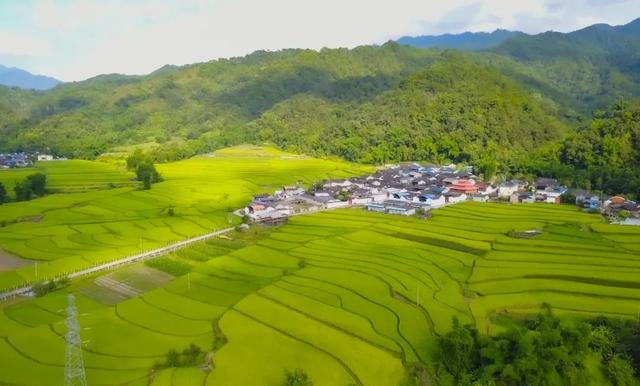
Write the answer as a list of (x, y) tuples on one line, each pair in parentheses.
[(349, 296), (67, 232)]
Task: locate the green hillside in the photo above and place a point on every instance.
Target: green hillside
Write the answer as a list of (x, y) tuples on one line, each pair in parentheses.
[(298, 99), (593, 67), (510, 108)]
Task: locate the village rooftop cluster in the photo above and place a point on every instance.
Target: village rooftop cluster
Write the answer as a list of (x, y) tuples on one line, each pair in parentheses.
[(23, 160), (413, 189)]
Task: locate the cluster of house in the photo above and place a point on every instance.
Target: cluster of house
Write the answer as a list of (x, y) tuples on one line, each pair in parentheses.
[(403, 190), (22, 160), (413, 188), (546, 190)]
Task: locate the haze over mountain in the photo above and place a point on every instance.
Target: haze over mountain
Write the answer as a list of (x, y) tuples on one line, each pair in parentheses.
[(467, 41), (15, 77)]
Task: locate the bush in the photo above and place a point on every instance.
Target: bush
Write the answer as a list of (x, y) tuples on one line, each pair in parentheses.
[(297, 377)]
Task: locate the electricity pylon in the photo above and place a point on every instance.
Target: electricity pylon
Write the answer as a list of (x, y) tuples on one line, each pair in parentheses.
[(74, 367)]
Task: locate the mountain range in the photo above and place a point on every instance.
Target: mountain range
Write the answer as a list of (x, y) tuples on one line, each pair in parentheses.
[(520, 101), (15, 77), (468, 41)]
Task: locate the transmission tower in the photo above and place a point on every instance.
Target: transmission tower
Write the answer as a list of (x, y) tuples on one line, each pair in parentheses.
[(74, 367)]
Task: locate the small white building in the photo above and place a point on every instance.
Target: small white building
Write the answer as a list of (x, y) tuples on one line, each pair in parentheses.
[(338, 184), (361, 200), (456, 198), (379, 195), (331, 204), (45, 157), (480, 198), (507, 189)]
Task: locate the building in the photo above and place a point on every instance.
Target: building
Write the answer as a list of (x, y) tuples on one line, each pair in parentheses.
[(464, 186), (591, 203), (393, 207), (480, 198), (433, 200), (508, 188), (255, 208), (522, 198), (544, 183), (452, 198)]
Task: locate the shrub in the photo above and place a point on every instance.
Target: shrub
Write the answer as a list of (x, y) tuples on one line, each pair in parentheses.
[(297, 377)]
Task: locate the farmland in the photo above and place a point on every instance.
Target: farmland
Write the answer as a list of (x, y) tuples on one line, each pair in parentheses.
[(71, 176), (349, 296), (66, 232)]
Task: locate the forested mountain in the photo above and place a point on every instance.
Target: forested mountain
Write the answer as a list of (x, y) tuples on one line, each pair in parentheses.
[(467, 41), (454, 109), (506, 108), (372, 104), (603, 154), (592, 68), (15, 77)]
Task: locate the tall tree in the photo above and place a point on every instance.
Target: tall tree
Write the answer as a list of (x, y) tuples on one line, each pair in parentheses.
[(38, 183), (3, 194), (23, 190)]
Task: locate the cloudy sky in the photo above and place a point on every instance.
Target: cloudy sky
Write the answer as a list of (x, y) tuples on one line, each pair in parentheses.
[(77, 39)]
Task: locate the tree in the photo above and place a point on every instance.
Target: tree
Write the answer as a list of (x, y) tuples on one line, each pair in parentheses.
[(23, 190), (147, 173), (297, 377), (3, 194), (459, 350), (134, 159), (38, 183), (343, 195), (620, 372), (191, 354), (173, 358)]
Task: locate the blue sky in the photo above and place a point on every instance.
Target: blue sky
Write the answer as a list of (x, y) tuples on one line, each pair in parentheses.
[(77, 39)]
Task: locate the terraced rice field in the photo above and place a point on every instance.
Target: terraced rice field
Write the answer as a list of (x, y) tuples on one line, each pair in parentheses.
[(66, 232), (348, 296), (72, 176)]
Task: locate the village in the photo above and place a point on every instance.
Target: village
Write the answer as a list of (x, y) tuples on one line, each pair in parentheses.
[(23, 160), (413, 189)]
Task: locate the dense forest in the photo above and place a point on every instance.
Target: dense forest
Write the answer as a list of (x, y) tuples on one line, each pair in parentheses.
[(559, 104), (544, 350)]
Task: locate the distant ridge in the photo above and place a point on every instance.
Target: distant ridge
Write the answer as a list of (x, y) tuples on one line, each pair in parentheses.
[(468, 41), (15, 77)]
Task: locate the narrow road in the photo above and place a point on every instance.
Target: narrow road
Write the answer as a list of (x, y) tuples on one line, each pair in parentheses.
[(126, 260)]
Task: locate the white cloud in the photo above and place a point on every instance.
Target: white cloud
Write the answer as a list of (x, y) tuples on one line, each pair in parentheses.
[(87, 38), (23, 45)]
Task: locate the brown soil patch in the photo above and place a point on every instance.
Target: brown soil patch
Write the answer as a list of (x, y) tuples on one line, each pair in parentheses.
[(9, 262)]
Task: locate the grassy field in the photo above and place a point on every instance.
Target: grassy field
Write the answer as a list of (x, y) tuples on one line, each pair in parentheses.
[(65, 232), (349, 296)]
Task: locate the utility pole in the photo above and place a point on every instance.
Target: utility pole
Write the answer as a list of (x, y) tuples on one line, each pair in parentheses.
[(74, 374)]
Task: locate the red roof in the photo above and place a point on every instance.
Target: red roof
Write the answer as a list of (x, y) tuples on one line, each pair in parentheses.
[(466, 186), (617, 200)]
